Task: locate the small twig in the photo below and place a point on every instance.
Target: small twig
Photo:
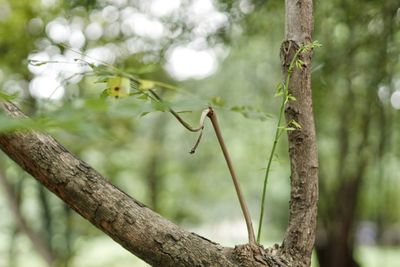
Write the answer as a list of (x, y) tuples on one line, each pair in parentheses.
[(200, 128), (203, 116), (176, 115), (193, 150), (209, 112), (245, 210)]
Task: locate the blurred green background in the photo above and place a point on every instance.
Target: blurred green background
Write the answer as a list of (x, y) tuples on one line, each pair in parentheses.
[(221, 52)]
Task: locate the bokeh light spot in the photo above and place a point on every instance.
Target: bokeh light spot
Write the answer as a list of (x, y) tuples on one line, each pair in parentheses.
[(395, 100)]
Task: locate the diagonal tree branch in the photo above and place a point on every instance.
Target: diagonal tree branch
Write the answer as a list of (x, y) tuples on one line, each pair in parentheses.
[(130, 223)]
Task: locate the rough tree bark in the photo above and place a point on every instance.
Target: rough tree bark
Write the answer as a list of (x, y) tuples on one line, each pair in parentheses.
[(155, 239), (300, 233)]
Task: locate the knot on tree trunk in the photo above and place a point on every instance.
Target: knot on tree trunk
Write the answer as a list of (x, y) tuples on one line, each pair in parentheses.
[(250, 255)]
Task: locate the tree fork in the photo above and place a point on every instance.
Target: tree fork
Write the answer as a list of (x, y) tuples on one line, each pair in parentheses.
[(138, 229), (157, 240)]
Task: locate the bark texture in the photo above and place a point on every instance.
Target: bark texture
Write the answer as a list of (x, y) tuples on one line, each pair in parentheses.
[(300, 233)]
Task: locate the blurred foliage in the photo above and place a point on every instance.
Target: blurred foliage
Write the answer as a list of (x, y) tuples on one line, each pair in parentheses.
[(354, 77), (358, 143)]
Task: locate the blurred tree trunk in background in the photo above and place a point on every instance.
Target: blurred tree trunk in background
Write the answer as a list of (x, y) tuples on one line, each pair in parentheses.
[(39, 243), (358, 150), (155, 159)]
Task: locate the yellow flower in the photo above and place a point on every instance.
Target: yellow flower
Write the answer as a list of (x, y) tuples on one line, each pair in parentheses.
[(118, 86)]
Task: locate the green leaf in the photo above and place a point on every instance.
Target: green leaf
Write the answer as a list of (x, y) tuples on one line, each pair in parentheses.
[(7, 97), (290, 128), (143, 96), (316, 44), (146, 85), (217, 101), (166, 86), (96, 104), (308, 47), (102, 79), (161, 106), (143, 114), (191, 104), (295, 124), (299, 64), (250, 112), (105, 93), (8, 124), (279, 89)]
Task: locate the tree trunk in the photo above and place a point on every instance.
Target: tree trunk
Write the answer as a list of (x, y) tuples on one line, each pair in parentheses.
[(155, 158), (300, 233)]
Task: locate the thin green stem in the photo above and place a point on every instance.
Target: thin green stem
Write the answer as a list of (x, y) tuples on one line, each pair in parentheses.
[(278, 132)]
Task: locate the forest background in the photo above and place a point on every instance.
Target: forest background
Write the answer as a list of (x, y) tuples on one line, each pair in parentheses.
[(221, 52)]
